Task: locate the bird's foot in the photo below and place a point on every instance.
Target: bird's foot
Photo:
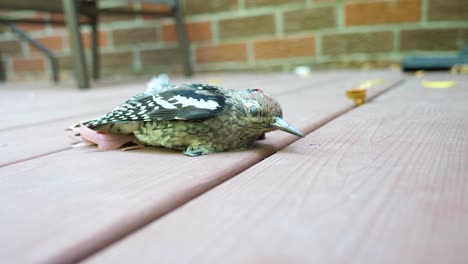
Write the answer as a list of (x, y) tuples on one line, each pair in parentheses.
[(261, 137), (195, 152)]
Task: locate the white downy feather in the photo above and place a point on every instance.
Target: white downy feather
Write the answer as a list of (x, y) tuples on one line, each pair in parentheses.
[(158, 84)]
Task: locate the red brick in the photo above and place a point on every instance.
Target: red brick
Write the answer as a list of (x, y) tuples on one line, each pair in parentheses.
[(102, 39), (199, 31), (28, 64), (61, 17), (109, 18), (65, 62), (117, 59), (134, 35), (148, 7), (231, 52), (284, 48), (383, 12), (448, 10), (10, 46), (256, 3), (436, 39), (252, 26), (309, 19), (160, 57), (33, 27), (192, 7), (54, 43), (347, 43)]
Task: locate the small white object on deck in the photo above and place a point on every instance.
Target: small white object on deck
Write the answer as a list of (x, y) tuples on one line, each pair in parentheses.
[(302, 71)]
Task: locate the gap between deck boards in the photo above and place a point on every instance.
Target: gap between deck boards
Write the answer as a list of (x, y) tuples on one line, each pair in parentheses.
[(384, 183), (307, 131), (103, 109), (72, 253)]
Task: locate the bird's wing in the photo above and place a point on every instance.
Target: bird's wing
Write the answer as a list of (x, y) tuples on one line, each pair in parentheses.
[(186, 102)]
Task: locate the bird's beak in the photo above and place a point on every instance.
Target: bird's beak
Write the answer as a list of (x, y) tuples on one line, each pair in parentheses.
[(282, 125)]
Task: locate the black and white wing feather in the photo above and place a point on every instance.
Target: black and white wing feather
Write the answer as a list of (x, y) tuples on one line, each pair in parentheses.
[(186, 102), (156, 85)]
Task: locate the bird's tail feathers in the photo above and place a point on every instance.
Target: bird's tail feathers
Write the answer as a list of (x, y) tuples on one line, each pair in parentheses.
[(78, 125)]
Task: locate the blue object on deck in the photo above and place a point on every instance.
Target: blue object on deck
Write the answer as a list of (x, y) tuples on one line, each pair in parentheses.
[(414, 63)]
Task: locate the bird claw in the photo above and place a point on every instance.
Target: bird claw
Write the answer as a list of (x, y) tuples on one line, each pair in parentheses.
[(189, 151), (133, 147)]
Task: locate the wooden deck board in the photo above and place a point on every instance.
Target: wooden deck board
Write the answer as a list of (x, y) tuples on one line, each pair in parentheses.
[(40, 119), (26, 105), (44, 135), (384, 183), (66, 205)]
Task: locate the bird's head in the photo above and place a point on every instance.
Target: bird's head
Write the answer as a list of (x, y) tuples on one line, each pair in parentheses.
[(263, 113)]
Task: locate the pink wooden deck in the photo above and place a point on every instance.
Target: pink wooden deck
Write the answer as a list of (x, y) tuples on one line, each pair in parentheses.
[(381, 183)]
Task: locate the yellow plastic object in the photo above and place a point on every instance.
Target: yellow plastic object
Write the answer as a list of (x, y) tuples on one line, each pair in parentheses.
[(419, 73), (438, 84), (459, 68), (358, 95)]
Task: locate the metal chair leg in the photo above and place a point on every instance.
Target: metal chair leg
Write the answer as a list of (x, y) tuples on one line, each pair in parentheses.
[(183, 40), (2, 70), (95, 49), (52, 59), (94, 20), (79, 63)]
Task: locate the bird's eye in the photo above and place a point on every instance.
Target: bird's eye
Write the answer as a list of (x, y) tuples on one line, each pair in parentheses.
[(253, 110)]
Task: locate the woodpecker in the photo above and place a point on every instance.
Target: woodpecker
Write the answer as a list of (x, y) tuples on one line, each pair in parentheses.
[(197, 118)]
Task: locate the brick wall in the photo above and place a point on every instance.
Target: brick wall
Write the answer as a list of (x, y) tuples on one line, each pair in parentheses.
[(259, 35)]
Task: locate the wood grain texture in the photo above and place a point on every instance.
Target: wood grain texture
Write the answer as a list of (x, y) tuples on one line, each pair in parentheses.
[(34, 125), (64, 206), (28, 104), (383, 183)]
